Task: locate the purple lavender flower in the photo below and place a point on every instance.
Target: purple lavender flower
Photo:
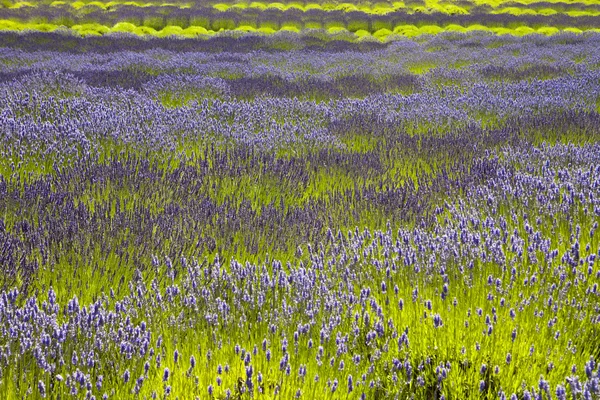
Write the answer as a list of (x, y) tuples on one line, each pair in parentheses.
[(249, 373), (561, 393), (334, 385), (42, 389), (437, 321)]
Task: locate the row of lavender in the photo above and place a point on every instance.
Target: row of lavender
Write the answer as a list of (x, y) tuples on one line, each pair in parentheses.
[(232, 42), (497, 299), (74, 104), (474, 187), (158, 17)]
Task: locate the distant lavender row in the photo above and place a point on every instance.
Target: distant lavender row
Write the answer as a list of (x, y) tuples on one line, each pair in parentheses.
[(273, 100), (474, 56), (160, 16), (355, 111), (237, 43)]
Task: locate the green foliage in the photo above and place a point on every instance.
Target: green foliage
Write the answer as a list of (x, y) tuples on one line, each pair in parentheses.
[(381, 24), (218, 24), (181, 21), (155, 22), (269, 24), (357, 25), (203, 22)]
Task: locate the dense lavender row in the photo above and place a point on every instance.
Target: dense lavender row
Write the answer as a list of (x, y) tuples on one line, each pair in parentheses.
[(275, 100), (498, 299), (289, 55), (231, 42)]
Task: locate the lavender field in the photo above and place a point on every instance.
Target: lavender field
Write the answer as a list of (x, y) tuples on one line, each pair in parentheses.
[(300, 215)]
